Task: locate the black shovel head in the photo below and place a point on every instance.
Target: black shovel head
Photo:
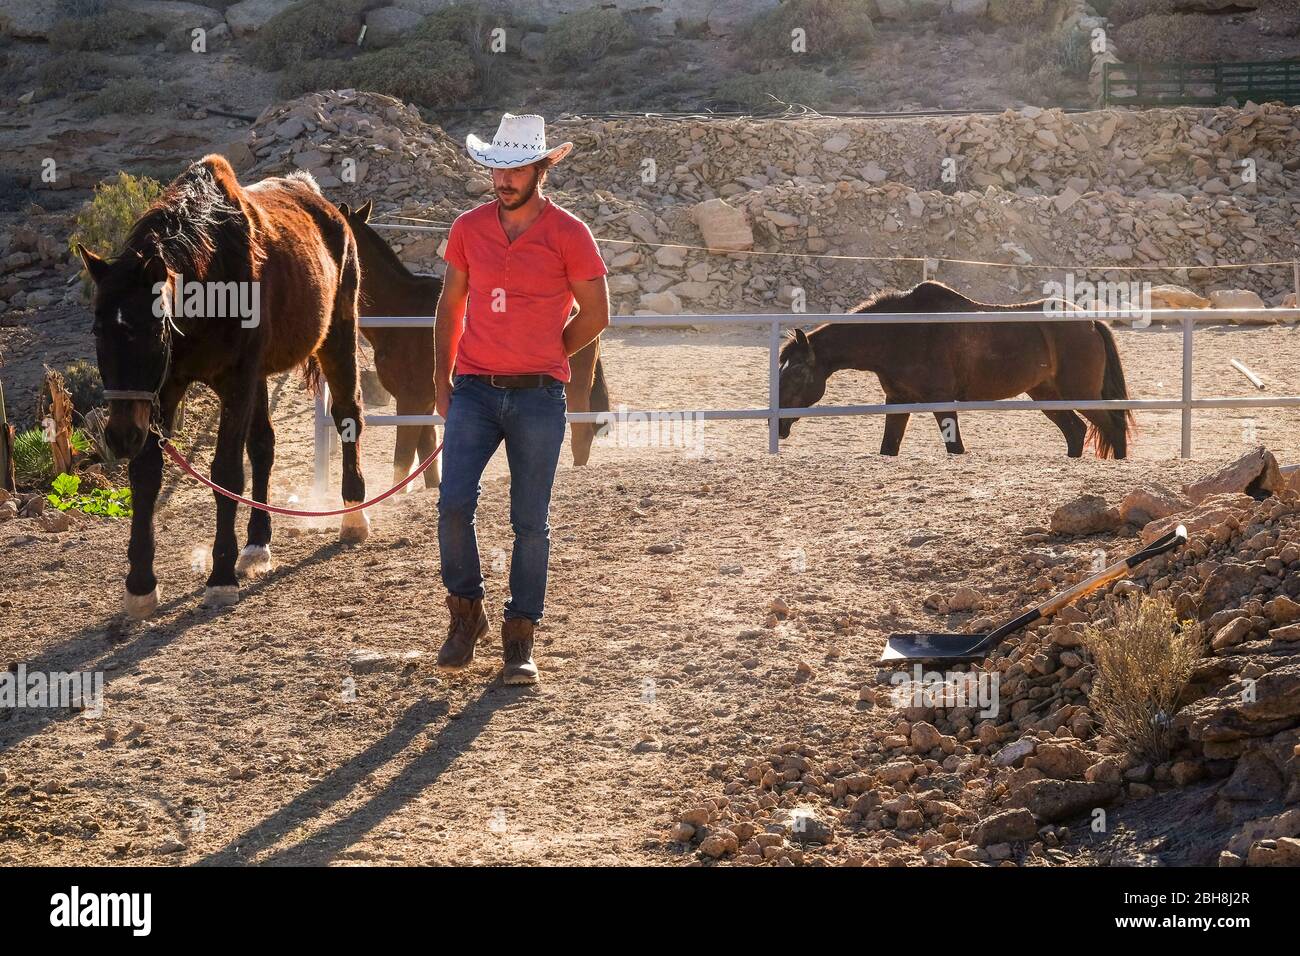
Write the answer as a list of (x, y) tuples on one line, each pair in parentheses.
[(934, 647)]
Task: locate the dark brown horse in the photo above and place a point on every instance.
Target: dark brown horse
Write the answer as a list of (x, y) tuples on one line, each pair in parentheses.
[(404, 357), (224, 285), (975, 362)]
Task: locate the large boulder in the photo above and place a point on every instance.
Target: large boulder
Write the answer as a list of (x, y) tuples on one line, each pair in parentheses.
[(169, 15), (724, 228), (1051, 801), (388, 25), (1007, 826), (1255, 473), (1144, 505), (1227, 584), (1236, 299), (1087, 514), (1177, 297), (1225, 716), (30, 19), (248, 16)]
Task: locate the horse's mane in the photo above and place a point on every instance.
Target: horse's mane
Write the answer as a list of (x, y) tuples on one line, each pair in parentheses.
[(198, 223), (384, 250), (867, 304)]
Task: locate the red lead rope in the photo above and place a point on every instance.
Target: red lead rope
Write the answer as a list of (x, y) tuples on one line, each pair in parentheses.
[(186, 467)]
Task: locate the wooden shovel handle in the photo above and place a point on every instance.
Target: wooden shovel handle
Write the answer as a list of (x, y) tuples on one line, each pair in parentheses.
[(1117, 570)]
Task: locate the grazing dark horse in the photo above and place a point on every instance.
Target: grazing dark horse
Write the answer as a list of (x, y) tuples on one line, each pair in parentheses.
[(225, 285), (966, 362), (404, 357)]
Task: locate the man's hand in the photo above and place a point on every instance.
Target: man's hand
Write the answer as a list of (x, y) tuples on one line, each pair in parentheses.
[(442, 401), (592, 298), (446, 334)]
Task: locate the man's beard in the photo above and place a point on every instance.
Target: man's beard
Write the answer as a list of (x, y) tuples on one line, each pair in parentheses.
[(523, 197)]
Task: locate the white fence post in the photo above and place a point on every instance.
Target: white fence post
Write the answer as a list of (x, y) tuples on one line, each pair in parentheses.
[(325, 432), (774, 388), (1188, 323), (321, 442)]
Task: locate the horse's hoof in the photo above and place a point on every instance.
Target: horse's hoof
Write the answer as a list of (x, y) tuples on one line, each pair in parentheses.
[(222, 595), (140, 606), (355, 526), (253, 560)]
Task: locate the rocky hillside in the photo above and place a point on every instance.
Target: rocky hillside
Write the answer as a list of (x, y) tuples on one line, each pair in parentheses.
[(1039, 191), (1046, 780)]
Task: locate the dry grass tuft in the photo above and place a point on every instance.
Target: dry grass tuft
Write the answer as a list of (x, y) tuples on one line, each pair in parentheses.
[(1144, 657)]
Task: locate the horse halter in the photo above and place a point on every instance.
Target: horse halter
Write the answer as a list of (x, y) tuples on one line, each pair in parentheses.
[(144, 395)]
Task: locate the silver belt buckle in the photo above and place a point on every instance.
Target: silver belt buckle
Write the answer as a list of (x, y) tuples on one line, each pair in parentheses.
[(492, 380)]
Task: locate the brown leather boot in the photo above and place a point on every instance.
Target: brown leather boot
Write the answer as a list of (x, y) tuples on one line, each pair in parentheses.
[(468, 624), (517, 649)]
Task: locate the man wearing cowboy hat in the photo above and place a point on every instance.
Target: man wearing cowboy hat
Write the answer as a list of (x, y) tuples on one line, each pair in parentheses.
[(515, 268)]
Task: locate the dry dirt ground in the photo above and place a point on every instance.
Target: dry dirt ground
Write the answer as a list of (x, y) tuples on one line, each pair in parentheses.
[(264, 733)]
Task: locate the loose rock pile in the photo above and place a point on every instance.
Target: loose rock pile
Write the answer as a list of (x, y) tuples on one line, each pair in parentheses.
[(33, 507), (943, 785), (1033, 189)]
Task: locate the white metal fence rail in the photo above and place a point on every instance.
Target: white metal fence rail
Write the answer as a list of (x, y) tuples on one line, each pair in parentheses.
[(325, 435)]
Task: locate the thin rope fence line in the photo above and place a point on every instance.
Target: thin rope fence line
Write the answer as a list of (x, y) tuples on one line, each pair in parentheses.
[(1277, 263)]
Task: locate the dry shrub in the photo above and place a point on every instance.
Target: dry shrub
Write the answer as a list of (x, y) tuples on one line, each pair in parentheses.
[(133, 96), (69, 72), (1144, 657), (1125, 11), (425, 72), (109, 30), (105, 221), (1167, 39), (307, 30), (469, 25), (1016, 11), (579, 39), (771, 91), (834, 29)]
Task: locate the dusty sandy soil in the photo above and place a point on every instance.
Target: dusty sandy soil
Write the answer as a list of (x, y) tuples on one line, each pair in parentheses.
[(262, 733)]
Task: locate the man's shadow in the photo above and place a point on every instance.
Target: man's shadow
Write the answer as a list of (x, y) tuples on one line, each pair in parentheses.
[(324, 845)]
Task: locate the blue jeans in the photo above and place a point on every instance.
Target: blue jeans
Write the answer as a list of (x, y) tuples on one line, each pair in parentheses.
[(531, 422)]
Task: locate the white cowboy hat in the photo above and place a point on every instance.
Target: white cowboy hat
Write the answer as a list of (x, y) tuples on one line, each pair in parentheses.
[(519, 140)]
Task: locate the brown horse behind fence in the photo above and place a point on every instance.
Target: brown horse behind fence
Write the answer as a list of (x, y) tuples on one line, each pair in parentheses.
[(404, 357), (966, 362), (280, 265)]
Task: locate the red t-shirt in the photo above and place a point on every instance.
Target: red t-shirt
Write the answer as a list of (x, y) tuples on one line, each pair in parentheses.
[(519, 295)]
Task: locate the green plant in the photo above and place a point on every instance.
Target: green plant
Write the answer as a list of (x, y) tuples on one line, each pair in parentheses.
[(774, 89), (1171, 38), (425, 72), (308, 76), (84, 384), (1144, 657), (1074, 53), (461, 22), (832, 30), (110, 503), (1124, 11), (108, 30), (580, 38), (1016, 11), (105, 221), (70, 72), (306, 31), (133, 96), (33, 460)]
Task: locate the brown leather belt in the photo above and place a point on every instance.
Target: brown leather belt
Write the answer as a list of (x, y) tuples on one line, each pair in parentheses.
[(517, 381)]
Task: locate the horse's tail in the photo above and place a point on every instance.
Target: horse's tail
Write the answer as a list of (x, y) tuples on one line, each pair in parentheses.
[(600, 396), (1110, 436), (311, 375)]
